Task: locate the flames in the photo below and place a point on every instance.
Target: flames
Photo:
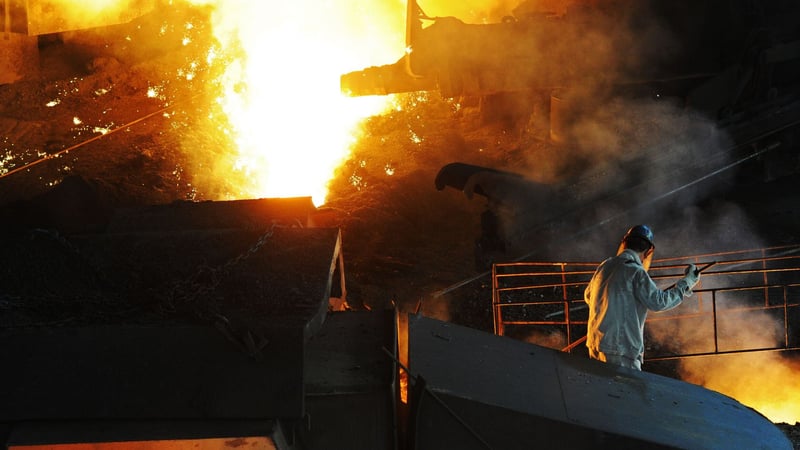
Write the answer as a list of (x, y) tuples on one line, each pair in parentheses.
[(289, 124), (288, 121), (277, 125)]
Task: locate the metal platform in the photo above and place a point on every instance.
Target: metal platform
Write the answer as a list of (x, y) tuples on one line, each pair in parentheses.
[(477, 390)]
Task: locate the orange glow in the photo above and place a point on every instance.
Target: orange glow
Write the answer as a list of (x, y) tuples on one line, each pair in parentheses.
[(492, 11), (290, 124), (251, 443), (404, 387), (402, 348), (764, 381), (52, 16), (752, 379)]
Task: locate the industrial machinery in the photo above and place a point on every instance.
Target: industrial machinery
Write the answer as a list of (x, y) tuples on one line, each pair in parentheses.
[(212, 325), (26, 23), (719, 54), (735, 66), (223, 324)]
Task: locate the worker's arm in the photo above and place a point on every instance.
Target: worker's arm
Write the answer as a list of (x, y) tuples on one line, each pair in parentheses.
[(646, 291)]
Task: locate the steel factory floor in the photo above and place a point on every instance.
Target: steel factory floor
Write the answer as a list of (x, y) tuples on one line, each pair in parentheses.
[(404, 242)]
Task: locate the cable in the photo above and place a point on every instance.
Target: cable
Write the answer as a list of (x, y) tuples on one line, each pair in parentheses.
[(81, 144)]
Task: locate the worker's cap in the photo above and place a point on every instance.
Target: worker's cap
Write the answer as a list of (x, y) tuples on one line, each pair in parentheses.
[(642, 232)]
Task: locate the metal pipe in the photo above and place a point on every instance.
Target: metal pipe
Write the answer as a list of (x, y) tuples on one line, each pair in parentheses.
[(565, 297), (785, 316), (497, 311), (662, 318), (573, 345), (87, 141), (655, 277), (714, 318), (724, 352), (764, 269), (580, 307), (562, 298)]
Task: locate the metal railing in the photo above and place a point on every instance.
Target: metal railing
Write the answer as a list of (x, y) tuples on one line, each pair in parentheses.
[(748, 301)]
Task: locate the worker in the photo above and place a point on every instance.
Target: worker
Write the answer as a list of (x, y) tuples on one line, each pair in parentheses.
[(619, 296)]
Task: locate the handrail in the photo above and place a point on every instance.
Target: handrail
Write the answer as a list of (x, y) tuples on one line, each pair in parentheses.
[(532, 298)]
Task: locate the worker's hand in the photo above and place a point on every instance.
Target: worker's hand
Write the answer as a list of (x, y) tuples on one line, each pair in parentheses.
[(691, 275)]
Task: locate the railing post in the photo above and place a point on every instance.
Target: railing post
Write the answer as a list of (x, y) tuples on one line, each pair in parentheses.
[(714, 318), (785, 316), (517, 278), (496, 310), (764, 272), (565, 297)]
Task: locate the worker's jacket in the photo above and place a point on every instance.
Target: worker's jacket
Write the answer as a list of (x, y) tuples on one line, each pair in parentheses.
[(619, 296)]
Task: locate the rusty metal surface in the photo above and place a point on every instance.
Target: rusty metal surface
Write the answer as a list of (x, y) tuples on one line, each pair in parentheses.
[(484, 371)]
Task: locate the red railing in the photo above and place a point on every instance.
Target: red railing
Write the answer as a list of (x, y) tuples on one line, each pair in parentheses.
[(754, 292)]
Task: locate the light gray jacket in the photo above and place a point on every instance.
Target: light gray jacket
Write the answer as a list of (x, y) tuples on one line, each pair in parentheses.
[(619, 296)]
